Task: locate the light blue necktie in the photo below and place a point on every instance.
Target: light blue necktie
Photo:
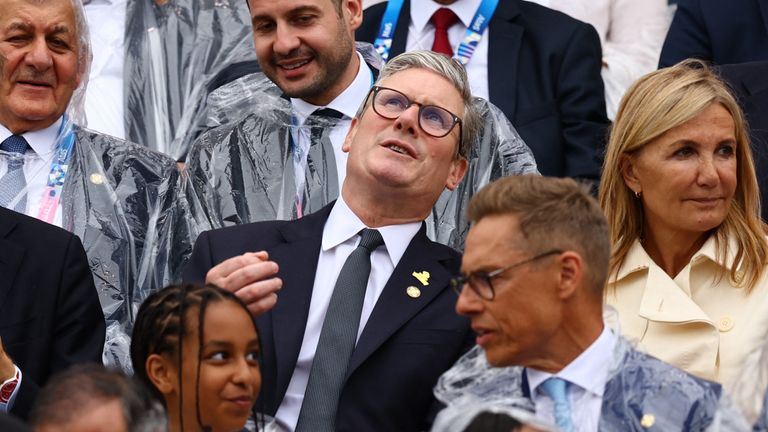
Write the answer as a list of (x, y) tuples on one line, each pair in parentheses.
[(13, 182), (555, 388)]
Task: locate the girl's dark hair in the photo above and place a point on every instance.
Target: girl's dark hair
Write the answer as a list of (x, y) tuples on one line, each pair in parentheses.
[(161, 326)]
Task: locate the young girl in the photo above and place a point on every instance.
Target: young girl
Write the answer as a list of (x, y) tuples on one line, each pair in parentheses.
[(197, 348)]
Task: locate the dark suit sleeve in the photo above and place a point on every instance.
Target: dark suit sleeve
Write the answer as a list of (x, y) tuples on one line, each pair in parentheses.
[(80, 328), (581, 99), (200, 262), (687, 36)]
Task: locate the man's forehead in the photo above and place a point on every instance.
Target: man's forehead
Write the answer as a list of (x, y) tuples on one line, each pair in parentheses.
[(404, 82), (55, 13)]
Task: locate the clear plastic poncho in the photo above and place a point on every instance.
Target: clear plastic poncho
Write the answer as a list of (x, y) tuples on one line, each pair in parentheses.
[(121, 199), (243, 171), (174, 50), (750, 389), (641, 394)]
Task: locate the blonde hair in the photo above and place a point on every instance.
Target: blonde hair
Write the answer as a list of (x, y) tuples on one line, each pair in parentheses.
[(653, 105)]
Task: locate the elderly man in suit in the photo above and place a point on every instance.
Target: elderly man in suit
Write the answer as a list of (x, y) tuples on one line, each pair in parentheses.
[(363, 324), (540, 66), (532, 280), (50, 317), (118, 197)]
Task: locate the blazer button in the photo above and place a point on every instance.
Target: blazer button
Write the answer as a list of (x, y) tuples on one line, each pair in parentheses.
[(725, 324)]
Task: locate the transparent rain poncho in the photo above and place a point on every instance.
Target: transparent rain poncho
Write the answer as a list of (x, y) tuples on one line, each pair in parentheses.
[(121, 199), (174, 50), (244, 172), (641, 394), (750, 389)]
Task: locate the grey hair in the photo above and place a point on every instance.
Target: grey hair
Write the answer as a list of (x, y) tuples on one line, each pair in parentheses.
[(76, 107), (451, 70)]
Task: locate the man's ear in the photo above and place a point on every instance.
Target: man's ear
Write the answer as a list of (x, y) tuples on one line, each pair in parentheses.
[(571, 274), (162, 373), (629, 173), (350, 135), (353, 13), (456, 174)]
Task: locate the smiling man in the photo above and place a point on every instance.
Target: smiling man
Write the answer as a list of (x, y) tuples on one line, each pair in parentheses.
[(295, 162), (116, 196), (363, 325), (533, 272)]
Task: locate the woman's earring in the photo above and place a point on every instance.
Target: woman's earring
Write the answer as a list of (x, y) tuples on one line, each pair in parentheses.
[(638, 194)]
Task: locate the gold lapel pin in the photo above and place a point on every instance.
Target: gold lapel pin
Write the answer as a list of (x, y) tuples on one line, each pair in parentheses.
[(413, 292), (422, 276), (647, 420), (97, 179)]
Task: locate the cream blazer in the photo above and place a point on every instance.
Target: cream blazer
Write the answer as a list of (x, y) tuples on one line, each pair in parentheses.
[(696, 322)]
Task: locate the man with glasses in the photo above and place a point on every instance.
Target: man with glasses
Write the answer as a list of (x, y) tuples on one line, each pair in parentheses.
[(363, 322), (533, 273)]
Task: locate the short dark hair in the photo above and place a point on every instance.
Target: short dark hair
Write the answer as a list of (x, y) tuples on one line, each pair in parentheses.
[(76, 389), (336, 3)]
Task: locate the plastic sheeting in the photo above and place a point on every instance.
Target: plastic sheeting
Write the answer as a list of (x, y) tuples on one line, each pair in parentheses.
[(123, 201), (750, 389), (244, 172), (174, 50), (641, 394)]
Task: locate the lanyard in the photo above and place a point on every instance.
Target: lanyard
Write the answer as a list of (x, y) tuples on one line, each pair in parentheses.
[(52, 193), (466, 48)]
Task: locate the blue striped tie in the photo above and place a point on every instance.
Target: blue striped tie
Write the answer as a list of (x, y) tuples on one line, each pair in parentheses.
[(555, 388), (13, 182)]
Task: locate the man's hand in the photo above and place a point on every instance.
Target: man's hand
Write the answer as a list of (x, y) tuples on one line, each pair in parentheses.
[(251, 276), (7, 369)]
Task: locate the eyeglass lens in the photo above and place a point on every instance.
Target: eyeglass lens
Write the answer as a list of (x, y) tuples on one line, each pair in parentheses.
[(434, 120)]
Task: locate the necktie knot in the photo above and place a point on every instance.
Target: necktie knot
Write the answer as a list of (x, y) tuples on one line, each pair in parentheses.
[(556, 389), (14, 144), (370, 239), (444, 18)]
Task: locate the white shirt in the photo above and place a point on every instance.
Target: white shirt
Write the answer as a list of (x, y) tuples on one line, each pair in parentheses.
[(421, 36), (586, 376), (346, 103), (339, 240), (37, 165), (104, 107)]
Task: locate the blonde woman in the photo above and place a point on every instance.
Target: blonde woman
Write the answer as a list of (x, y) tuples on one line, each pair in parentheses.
[(689, 249)]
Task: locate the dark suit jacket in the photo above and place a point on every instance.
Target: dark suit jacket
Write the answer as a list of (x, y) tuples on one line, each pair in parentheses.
[(544, 74), (405, 346), (749, 85), (718, 31), (50, 317)]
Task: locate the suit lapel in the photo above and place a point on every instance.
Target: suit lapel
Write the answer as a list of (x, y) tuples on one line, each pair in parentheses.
[(394, 307), (297, 258), (11, 254), (401, 31), (504, 41)]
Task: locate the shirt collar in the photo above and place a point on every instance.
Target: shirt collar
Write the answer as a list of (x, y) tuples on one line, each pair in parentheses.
[(589, 370), (422, 11), (343, 224), (638, 259), (42, 141), (347, 102)]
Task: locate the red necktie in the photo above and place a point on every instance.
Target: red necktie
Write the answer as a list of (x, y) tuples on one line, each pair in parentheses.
[(443, 19)]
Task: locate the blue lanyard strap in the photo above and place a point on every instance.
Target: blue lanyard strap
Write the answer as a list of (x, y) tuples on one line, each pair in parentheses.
[(472, 37)]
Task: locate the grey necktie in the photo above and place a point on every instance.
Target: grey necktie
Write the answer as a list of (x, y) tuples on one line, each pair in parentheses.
[(319, 159), (337, 338), (13, 182)]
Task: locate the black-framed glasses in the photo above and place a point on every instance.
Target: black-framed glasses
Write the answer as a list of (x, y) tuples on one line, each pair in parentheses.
[(433, 120), (480, 282)]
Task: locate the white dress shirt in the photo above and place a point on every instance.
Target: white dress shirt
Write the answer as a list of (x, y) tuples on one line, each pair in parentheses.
[(421, 36), (586, 376), (339, 240), (104, 107), (346, 103), (37, 165)]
